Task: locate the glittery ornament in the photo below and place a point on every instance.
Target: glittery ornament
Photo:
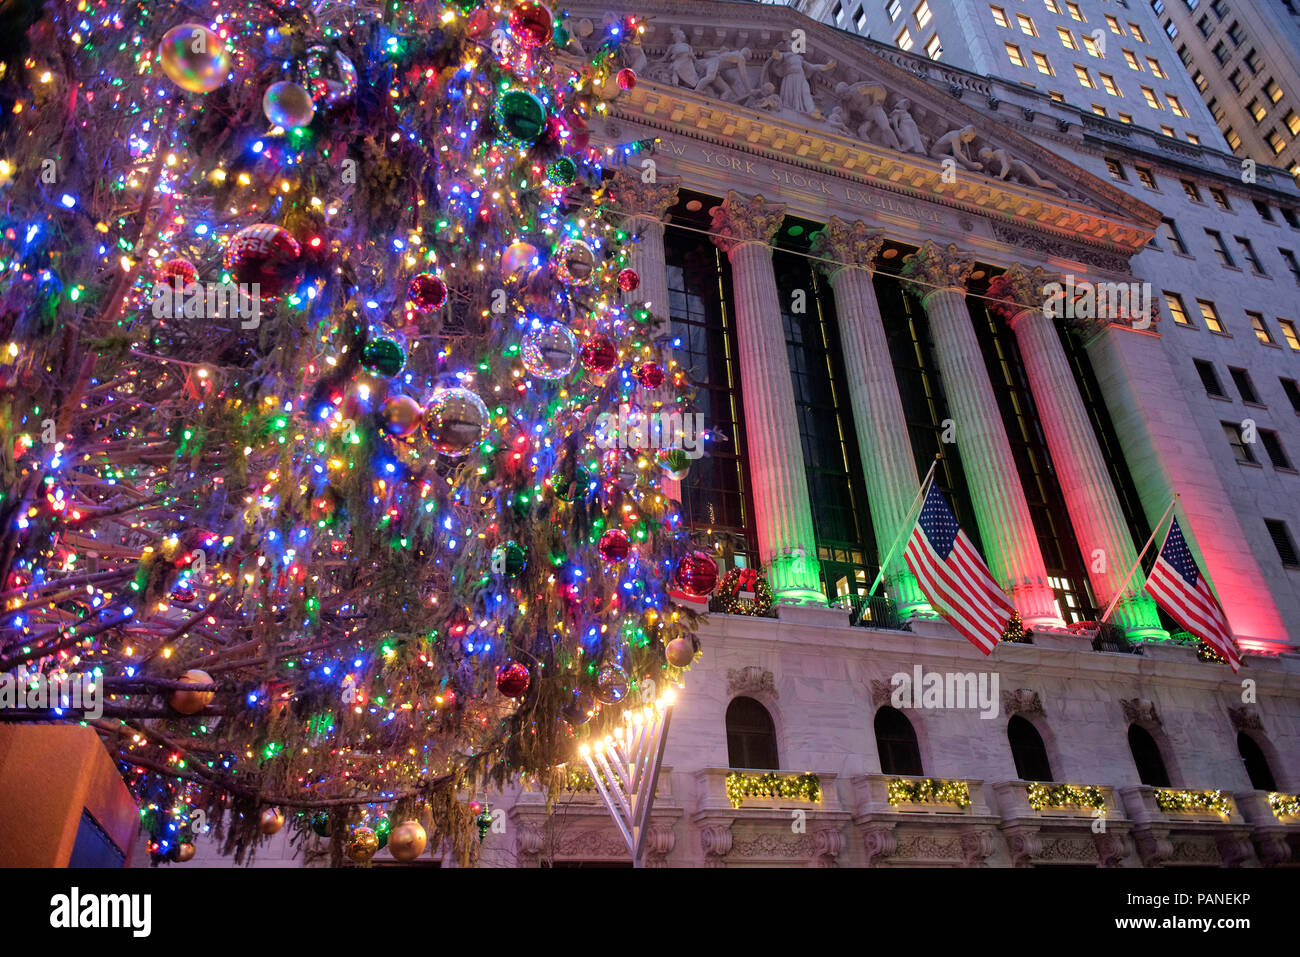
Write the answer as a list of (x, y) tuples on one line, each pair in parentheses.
[(177, 271), (574, 262), (192, 702), (549, 350), (194, 58), (426, 292), (288, 105), (183, 592), (513, 680), (628, 279), (520, 115), (611, 684), (562, 172), (509, 559), (267, 255), (384, 356), (531, 24), (626, 79), (599, 355), (362, 844), (614, 545), (455, 420), (401, 415), (650, 375), (567, 489), (697, 574)]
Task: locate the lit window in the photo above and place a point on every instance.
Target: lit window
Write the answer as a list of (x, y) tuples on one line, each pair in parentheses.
[(1234, 141), (922, 13), (933, 48), (1056, 95), (1026, 25), (1136, 30), (1175, 105), (1132, 61), (1090, 45), (1075, 12), (1190, 189), (1272, 90), (1108, 84), (1153, 101), (904, 39), (1099, 110), (1146, 178), (1210, 316), (1176, 308), (1116, 170), (1260, 330), (1289, 333), (1167, 131), (1156, 68), (1067, 38), (1115, 28), (1220, 199), (1292, 122), (1044, 66), (1193, 139), (1084, 78), (1052, 6), (1126, 117), (1256, 110), (1276, 141), (999, 16), (1013, 53)]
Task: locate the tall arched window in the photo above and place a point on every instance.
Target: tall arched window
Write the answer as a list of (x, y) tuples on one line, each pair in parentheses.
[(1146, 755), (896, 742), (1252, 755), (751, 736), (1028, 750)]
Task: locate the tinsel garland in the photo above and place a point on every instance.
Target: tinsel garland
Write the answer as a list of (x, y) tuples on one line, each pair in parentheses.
[(929, 791), (800, 787)]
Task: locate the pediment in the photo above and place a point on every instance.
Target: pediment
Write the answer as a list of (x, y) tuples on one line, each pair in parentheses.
[(727, 72)]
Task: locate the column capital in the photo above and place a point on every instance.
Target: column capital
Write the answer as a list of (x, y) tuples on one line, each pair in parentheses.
[(638, 198), (741, 220), (934, 267), (1019, 290), (840, 245)]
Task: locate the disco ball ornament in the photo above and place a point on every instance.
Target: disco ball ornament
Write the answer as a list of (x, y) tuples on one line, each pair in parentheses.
[(562, 172), (183, 593), (599, 355), (331, 77), (512, 680), (194, 58), (614, 545), (650, 375), (264, 254), (384, 356), (675, 463), (270, 821), (401, 415), (455, 420), (611, 684), (509, 559), (177, 271), (322, 824), (628, 279), (426, 292), (626, 79), (288, 105), (679, 652), (549, 350), (574, 262), (407, 841), (362, 844), (578, 711), (517, 259), (192, 702), (697, 574), (520, 115), (531, 24)]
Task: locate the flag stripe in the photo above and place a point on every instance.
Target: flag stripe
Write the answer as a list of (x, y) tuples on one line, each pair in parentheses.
[(960, 601), (1179, 587), (964, 619)]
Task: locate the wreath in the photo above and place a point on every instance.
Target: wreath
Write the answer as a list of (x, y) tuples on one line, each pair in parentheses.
[(744, 591)]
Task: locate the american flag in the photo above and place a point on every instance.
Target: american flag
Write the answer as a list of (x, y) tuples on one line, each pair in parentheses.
[(1180, 589), (953, 577)]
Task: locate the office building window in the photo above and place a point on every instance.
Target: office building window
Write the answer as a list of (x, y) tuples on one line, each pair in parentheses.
[(751, 736), (1245, 386), (1240, 450), (1257, 769), (1067, 38), (933, 49), (904, 40), (1248, 250), (1108, 84), (1167, 131), (1251, 60), (922, 13), (1235, 79), (1136, 30), (838, 13), (1209, 378), (1090, 45), (1146, 178), (1028, 751), (1220, 199), (1221, 248), (1014, 55), (1153, 101), (1210, 315), (1175, 105), (1052, 6), (1201, 83), (1273, 448), (893, 8), (1292, 263), (1190, 189), (1126, 117), (1116, 170), (1173, 235), (1115, 28), (1290, 216), (1176, 308), (1156, 68), (1132, 61), (1292, 390), (1236, 34), (896, 743), (1043, 64), (1075, 12), (1234, 141), (1084, 78), (1265, 211), (1260, 330), (1283, 542), (1099, 109), (1289, 333), (1000, 16), (1275, 140), (1272, 90), (1026, 25), (1146, 757), (1256, 110)]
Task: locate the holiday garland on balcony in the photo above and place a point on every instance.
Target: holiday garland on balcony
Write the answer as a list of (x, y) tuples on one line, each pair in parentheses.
[(1054, 796), (1179, 800), (351, 550), (929, 791), (799, 787)]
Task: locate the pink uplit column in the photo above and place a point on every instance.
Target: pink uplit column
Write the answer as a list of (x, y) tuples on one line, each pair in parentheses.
[(743, 227), (937, 276), (1095, 513)]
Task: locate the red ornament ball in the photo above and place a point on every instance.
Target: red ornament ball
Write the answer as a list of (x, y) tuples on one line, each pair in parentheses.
[(614, 545), (599, 355), (697, 574), (512, 680), (628, 279), (267, 255), (626, 79), (650, 375), (475, 808), (531, 24), (426, 292), (175, 271)]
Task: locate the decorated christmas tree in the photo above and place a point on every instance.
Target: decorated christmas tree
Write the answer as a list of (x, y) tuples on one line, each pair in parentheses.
[(310, 314)]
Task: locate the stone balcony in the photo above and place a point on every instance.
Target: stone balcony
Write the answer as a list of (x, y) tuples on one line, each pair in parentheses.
[(1045, 823), (768, 818), (1274, 820), (920, 820), (1185, 826)]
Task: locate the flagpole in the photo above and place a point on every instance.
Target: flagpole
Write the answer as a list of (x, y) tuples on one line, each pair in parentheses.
[(906, 530), (1137, 564)]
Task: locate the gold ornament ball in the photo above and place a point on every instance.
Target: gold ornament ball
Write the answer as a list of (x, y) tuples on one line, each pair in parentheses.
[(194, 58), (362, 844), (184, 852), (680, 652), (516, 260), (192, 702), (402, 415), (271, 821), (406, 841)]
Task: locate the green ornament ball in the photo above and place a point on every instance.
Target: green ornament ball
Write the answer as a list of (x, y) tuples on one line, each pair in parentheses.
[(383, 355), (509, 559), (562, 172), (520, 115), (568, 489), (322, 825), (382, 827)]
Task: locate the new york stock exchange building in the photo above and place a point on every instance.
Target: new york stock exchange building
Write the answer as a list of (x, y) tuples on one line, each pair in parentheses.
[(849, 247)]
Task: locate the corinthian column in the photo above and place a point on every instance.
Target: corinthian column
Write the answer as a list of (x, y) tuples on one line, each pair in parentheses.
[(938, 278), (1095, 513), (742, 228), (848, 251), (645, 205)]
